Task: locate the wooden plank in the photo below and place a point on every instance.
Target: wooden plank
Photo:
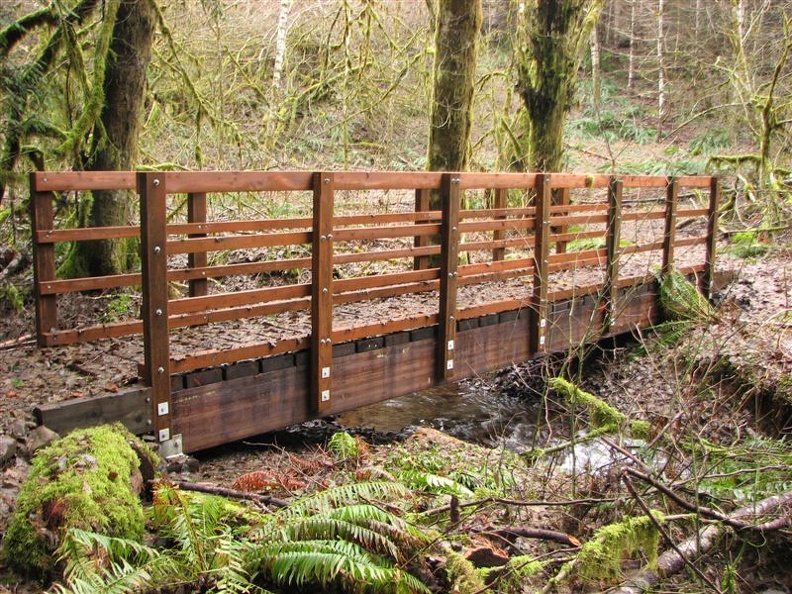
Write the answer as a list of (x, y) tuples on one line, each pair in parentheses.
[(214, 357), (495, 181), (388, 218), (413, 322), (388, 291), (239, 226), (712, 237), (422, 204), (154, 257), (383, 280), (499, 201), (130, 407), (42, 220), (449, 261), (236, 242), (196, 213), (538, 332), (322, 293), (370, 233), (238, 313), (89, 333), (62, 181), (614, 251), (409, 252), (239, 298), (245, 268), (504, 265), (92, 283), (497, 225), (238, 181), (498, 213), (669, 235), (87, 234), (387, 180)]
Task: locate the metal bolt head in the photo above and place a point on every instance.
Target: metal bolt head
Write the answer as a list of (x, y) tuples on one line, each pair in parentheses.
[(158, 312), (157, 249), (156, 182), (160, 370)]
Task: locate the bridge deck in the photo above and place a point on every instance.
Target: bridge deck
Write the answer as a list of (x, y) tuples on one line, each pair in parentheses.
[(507, 267)]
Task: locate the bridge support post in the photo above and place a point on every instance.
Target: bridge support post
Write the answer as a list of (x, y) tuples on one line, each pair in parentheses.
[(613, 241), (422, 201), (42, 220), (499, 201), (449, 261), (539, 306), (712, 232), (669, 237), (152, 189), (322, 292)]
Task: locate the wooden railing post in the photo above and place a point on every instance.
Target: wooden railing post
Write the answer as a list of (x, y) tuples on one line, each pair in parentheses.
[(669, 237), (613, 241), (196, 213), (422, 204), (322, 292), (539, 306), (152, 189), (42, 220), (499, 201), (449, 261), (712, 232)]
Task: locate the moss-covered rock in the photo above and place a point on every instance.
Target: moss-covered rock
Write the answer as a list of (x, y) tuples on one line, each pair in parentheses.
[(91, 480)]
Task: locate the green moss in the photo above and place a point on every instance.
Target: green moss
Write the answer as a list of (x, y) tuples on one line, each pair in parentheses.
[(84, 480), (601, 413), (463, 577), (640, 429), (600, 558)]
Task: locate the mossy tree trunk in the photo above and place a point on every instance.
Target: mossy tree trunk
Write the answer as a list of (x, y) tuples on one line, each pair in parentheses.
[(458, 24), (551, 37), (115, 136)]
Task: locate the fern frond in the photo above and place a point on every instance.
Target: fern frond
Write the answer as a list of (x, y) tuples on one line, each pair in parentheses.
[(434, 483), (344, 495), (328, 562)]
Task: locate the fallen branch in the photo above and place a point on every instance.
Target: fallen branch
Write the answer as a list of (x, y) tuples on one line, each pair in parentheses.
[(233, 493), (513, 532), (673, 560)]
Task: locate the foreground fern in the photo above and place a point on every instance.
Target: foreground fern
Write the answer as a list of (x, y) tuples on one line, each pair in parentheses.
[(325, 540)]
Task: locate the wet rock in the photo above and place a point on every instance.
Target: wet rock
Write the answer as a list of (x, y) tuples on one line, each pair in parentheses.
[(19, 429), (182, 463), (40, 437), (8, 450)]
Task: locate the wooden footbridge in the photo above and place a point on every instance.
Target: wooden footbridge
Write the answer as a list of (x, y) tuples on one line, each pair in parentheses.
[(317, 310)]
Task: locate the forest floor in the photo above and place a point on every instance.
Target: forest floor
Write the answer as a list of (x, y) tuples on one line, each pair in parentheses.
[(745, 352)]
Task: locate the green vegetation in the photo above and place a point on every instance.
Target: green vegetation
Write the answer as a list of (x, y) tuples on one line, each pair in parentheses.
[(88, 480)]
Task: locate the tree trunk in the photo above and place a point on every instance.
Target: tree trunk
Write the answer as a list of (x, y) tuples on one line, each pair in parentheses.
[(456, 41), (115, 139), (551, 38)]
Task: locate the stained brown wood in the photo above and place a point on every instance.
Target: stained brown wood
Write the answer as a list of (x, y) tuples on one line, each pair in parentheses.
[(563, 195), (89, 233), (42, 220), (239, 298), (669, 236), (236, 242), (449, 261), (130, 407), (322, 293), (614, 251), (153, 252), (538, 333), (712, 231), (370, 233), (93, 283), (62, 181)]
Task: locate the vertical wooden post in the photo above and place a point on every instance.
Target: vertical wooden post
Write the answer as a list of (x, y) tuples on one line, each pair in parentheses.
[(563, 195), (196, 213), (539, 306), (422, 205), (152, 189), (449, 261), (613, 241), (712, 238), (669, 238), (322, 291), (42, 219), (499, 201)]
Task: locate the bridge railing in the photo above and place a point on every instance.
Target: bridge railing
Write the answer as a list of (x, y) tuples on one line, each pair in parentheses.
[(312, 245)]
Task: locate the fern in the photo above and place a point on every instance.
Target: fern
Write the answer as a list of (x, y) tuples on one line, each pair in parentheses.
[(434, 483)]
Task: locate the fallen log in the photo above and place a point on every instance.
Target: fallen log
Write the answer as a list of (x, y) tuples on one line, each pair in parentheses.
[(674, 559)]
